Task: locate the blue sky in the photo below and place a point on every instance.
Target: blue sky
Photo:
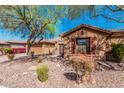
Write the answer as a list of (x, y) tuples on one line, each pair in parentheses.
[(67, 24)]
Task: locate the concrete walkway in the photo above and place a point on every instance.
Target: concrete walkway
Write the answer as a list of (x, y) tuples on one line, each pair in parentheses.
[(5, 59)]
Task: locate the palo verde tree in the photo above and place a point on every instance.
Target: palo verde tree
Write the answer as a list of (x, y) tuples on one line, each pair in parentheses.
[(31, 21), (34, 21)]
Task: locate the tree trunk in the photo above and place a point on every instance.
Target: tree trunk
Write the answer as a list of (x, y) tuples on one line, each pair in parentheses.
[(28, 48), (77, 75)]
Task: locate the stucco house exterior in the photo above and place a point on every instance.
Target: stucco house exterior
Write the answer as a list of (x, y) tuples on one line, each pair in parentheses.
[(44, 47), (86, 39)]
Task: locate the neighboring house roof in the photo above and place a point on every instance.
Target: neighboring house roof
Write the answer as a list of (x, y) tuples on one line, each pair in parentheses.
[(117, 33), (51, 41), (17, 41), (85, 26), (48, 41), (3, 42)]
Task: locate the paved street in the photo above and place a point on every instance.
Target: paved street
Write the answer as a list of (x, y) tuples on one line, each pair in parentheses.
[(4, 58)]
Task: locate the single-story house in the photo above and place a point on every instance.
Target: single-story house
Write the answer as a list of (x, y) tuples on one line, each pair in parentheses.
[(18, 46), (82, 40), (17, 43), (3, 44), (86, 39), (44, 47)]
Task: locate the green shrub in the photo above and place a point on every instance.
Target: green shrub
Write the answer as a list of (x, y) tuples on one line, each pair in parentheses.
[(42, 72), (8, 50), (11, 56), (118, 52)]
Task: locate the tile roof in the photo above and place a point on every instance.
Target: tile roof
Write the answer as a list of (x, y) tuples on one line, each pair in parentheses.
[(3, 42), (117, 33), (17, 41), (86, 26)]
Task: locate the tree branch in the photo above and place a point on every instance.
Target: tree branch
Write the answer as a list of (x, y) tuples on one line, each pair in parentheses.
[(113, 10), (111, 18)]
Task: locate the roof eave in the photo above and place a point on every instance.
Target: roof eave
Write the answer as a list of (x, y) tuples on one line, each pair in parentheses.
[(87, 26)]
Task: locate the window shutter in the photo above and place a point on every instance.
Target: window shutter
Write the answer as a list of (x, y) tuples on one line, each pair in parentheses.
[(72, 46), (93, 45)]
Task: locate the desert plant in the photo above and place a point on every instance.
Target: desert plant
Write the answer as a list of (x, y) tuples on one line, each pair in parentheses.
[(118, 52), (8, 50), (82, 69), (11, 56), (42, 72), (39, 60)]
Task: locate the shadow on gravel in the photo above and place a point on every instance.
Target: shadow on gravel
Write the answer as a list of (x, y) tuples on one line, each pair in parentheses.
[(70, 76)]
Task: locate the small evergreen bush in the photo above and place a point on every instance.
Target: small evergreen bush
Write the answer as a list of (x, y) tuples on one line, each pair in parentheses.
[(42, 72)]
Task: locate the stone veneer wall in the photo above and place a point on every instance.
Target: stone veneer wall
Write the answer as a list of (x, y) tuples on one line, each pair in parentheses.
[(97, 38)]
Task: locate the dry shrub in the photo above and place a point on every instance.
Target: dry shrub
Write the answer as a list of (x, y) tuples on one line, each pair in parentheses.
[(83, 69)]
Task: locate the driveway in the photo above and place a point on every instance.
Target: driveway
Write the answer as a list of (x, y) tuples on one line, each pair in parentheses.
[(5, 59)]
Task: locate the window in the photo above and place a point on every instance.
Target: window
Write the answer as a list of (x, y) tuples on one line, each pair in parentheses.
[(82, 45)]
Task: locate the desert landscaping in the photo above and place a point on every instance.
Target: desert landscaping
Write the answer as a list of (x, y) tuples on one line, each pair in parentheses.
[(22, 73), (61, 46)]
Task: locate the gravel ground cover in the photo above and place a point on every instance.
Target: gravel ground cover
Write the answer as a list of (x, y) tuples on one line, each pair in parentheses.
[(22, 74)]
